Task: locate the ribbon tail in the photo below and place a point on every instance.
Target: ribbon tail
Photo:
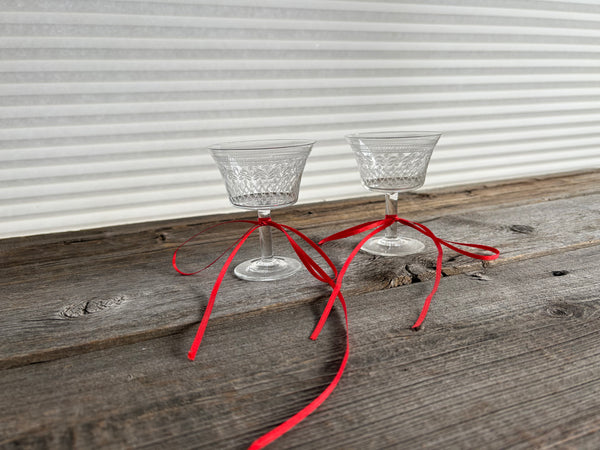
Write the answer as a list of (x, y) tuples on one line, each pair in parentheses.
[(317, 272), (318, 249), (438, 269), (313, 268), (286, 426), (382, 224), (495, 252), (427, 232), (438, 277), (174, 259), (213, 295), (351, 231)]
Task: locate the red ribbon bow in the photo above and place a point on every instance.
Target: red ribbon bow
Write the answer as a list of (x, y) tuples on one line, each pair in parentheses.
[(380, 225), (314, 269)]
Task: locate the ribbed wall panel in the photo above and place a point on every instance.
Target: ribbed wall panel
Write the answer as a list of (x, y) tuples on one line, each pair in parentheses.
[(107, 106)]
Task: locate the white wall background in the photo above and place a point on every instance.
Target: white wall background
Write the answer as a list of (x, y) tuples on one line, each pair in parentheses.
[(106, 106)]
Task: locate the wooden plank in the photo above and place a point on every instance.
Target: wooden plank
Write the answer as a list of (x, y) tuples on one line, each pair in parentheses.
[(102, 243), (506, 358), (49, 311)]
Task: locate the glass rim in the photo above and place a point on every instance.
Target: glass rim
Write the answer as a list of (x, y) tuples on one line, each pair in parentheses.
[(261, 144), (394, 135)]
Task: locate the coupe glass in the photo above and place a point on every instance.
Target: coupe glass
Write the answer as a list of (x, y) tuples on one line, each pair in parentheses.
[(261, 176), (392, 162)]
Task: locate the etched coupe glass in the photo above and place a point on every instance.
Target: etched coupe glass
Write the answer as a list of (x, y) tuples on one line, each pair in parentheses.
[(261, 176), (392, 162)]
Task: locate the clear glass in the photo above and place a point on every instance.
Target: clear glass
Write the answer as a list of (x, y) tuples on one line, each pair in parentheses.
[(393, 162), (261, 176)]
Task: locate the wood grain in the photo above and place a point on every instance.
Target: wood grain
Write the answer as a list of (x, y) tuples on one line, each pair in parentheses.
[(95, 325), (512, 361), (88, 302)]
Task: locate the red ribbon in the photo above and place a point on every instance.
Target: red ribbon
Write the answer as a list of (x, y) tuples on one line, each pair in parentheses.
[(315, 270), (380, 225)]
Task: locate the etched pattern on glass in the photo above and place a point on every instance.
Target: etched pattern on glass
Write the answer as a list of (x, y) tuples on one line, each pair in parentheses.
[(392, 162), (272, 183), (392, 167)]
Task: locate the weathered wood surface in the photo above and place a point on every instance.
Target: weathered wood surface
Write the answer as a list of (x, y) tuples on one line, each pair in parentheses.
[(120, 288), (507, 357), (507, 362)]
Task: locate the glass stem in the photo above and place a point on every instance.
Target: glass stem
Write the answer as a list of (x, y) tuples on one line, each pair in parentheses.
[(391, 209), (266, 242)]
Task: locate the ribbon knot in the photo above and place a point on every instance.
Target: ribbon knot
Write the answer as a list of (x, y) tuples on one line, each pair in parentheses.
[(265, 221)]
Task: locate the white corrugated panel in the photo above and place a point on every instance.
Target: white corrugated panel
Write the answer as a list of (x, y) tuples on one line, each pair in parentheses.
[(106, 106)]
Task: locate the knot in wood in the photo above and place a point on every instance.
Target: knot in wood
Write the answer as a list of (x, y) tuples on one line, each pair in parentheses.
[(93, 306), (561, 311), (524, 229)]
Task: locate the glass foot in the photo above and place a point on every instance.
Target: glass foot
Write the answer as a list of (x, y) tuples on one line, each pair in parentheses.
[(276, 268), (383, 246)]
